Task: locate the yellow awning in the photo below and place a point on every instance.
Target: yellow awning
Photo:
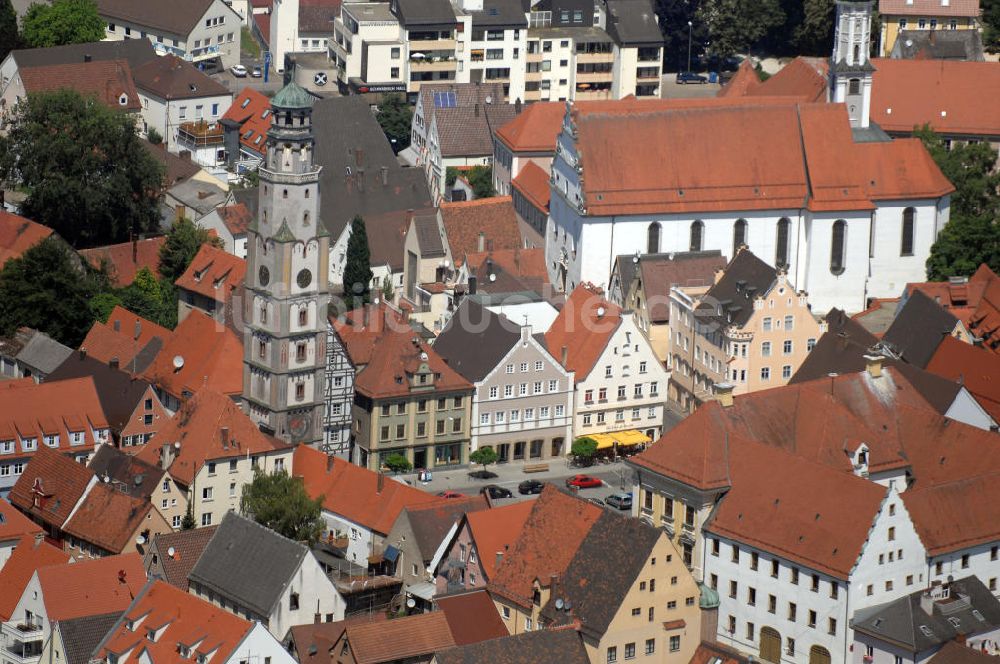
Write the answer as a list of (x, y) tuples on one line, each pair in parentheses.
[(621, 438)]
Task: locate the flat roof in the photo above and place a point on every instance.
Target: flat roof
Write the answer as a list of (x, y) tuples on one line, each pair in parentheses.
[(369, 11)]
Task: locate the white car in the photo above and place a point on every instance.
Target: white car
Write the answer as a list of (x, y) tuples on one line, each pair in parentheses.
[(239, 71)]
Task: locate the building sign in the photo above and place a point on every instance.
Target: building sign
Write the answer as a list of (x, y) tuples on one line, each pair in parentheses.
[(319, 78), (361, 87)]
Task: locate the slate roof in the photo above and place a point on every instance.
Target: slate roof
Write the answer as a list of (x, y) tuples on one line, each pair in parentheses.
[(472, 617), (62, 480), (491, 219), (660, 272), (431, 522), (81, 636), (900, 622), (918, 329), (633, 23), (42, 353), (349, 137), (878, 316), (938, 45), (128, 473), (105, 80), (29, 555), (188, 546), (414, 636), (500, 13), (475, 340), (560, 646), (248, 563), (18, 234), (133, 51), (182, 18), (425, 12), (430, 237), (746, 278), (169, 77), (124, 260), (118, 392), (596, 583)]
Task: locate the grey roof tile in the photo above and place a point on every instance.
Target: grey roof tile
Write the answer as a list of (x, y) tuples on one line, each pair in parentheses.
[(475, 340), (81, 636), (746, 277), (562, 646), (918, 329)]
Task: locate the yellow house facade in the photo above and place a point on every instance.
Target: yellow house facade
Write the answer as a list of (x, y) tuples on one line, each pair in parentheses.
[(900, 15)]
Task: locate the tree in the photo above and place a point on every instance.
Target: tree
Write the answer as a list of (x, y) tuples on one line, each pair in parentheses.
[(991, 25), (357, 268), (184, 239), (9, 37), (734, 26), (154, 136), (85, 171), (395, 116), (63, 22), (280, 502), (49, 289), (153, 299), (483, 456), (397, 463), (584, 449), (480, 178), (814, 34), (972, 235), (188, 522)]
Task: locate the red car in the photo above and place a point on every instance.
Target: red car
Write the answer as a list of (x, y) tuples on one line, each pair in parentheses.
[(584, 482), (451, 494)]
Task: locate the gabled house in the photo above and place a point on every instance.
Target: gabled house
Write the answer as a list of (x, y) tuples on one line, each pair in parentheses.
[(124, 260), (31, 354), (253, 572), (488, 224), (606, 351), (108, 82), (49, 489), (164, 623), (977, 369), (522, 406), (209, 450), (18, 234), (245, 127), (171, 556), (529, 138), (210, 284), (14, 526), (919, 328), (230, 223), (562, 646), (75, 640), (126, 337), (975, 301), (901, 15), (31, 553), (413, 639)]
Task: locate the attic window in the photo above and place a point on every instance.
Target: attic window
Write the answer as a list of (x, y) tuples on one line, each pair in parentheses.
[(246, 102), (151, 635), (248, 134), (257, 140), (266, 113), (123, 99)]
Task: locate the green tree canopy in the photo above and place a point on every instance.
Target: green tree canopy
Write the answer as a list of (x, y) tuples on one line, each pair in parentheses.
[(48, 288), (184, 239), (9, 36), (153, 299), (63, 22), (357, 267), (991, 25), (397, 463), (480, 178), (280, 502), (584, 448), (395, 117), (483, 456), (734, 26), (85, 171)]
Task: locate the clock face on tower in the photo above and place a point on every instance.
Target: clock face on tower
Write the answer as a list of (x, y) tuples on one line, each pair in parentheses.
[(263, 275), (304, 278), (298, 425)]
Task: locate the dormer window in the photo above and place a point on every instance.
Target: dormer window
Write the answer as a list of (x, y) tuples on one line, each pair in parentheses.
[(246, 102), (123, 99)]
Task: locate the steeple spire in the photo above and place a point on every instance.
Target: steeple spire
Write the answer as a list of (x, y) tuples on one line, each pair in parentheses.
[(850, 66)]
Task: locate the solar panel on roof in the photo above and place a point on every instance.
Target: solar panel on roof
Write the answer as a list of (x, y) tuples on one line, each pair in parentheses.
[(445, 100)]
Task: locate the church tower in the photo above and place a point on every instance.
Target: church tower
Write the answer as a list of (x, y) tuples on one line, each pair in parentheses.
[(287, 289), (850, 67)]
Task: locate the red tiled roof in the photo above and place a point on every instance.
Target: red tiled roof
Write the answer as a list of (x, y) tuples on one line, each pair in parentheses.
[(743, 82), (956, 515), (361, 329), (472, 617), (107, 80), (513, 270), (902, 169), (91, 587), (803, 77), (985, 322), (61, 482), (211, 353), (263, 23), (583, 328), (124, 336), (30, 554), (533, 183), (126, 259), (414, 636), (555, 517), (213, 273), (237, 218), (716, 653), (31, 411), (975, 368), (969, 8), (352, 491), (13, 524), (535, 129), (18, 234), (198, 426), (252, 109), (184, 619), (492, 219), (108, 518), (495, 531), (949, 96)]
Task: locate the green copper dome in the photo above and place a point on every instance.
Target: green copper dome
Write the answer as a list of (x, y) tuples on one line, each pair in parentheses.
[(292, 96), (709, 597)]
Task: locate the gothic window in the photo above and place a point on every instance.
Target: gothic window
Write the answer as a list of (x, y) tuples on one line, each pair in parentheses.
[(837, 246), (300, 391), (906, 247), (739, 234), (300, 352), (653, 238), (284, 193), (303, 316), (265, 216), (263, 313), (857, 54), (781, 244), (307, 193), (854, 86), (697, 231), (305, 218)]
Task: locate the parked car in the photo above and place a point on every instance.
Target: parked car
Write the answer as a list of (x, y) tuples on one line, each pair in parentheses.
[(691, 77), (530, 487), (620, 501), (584, 482), (494, 491), (451, 494), (239, 71), (256, 72)]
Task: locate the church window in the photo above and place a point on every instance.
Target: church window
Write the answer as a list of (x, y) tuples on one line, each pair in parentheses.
[(854, 86), (263, 313), (262, 349), (653, 238), (303, 317), (781, 244), (304, 278), (906, 247), (857, 54), (263, 275), (300, 391), (305, 218), (837, 246), (739, 234), (697, 231), (300, 352), (307, 193), (284, 193)]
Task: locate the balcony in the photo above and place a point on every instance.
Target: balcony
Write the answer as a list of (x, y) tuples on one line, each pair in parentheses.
[(198, 54), (582, 58), (289, 178), (200, 134), (22, 642), (433, 64), (425, 45), (594, 77)]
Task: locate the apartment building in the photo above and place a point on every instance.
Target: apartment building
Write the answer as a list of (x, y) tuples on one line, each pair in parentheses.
[(900, 15)]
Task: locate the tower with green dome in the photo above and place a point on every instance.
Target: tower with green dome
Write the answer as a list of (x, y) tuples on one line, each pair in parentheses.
[(287, 289)]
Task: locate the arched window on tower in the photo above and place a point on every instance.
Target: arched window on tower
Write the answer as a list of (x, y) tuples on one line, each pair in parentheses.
[(854, 86), (739, 234), (781, 244), (906, 246), (653, 238), (697, 231), (305, 218), (837, 236), (857, 54)]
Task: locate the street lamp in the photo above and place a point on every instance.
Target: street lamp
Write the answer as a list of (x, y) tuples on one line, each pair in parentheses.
[(689, 45)]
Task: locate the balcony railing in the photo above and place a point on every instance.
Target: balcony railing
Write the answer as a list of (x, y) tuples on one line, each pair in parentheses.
[(199, 54)]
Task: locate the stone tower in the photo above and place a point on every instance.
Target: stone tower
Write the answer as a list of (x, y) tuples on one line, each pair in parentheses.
[(850, 67), (287, 290)]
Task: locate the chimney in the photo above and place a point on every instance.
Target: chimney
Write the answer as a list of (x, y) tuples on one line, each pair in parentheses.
[(564, 354), (927, 602), (499, 558), (138, 329), (517, 106), (473, 284), (113, 362), (135, 249), (381, 481), (329, 463), (83, 352), (384, 173), (724, 394), (224, 435), (166, 455), (873, 365), (481, 242), (476, 109), (87, 57)]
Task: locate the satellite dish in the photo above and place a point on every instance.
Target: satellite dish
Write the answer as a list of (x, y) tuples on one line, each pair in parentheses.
[(600, 311), (489, 99), (140, 540), (493, 277), (178, 362), (559, 604), (410, 603), (423, 357), (635, 259), (177, 445), (106, 479), (171, 551)]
